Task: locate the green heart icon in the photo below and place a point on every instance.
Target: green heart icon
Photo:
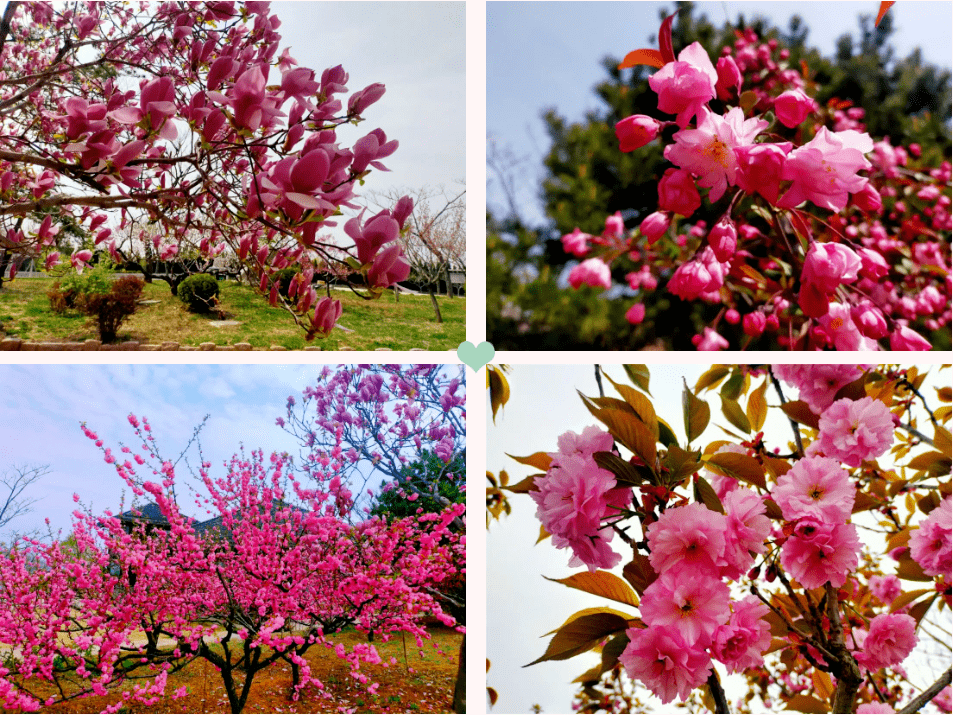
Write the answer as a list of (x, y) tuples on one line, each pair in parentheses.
[(476, 356)]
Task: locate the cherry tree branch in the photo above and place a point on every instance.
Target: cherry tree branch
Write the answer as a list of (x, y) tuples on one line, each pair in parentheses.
[(928, 694)]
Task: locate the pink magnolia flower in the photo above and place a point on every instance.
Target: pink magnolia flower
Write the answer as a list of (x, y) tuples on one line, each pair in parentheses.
[(693, 603), (817, 487), (748, 527), (636, 131), (593, 272), (708, 151), (885, 588), (889, 640), (576, 243), (824, 171), (741, 642), (677, 192), (326, 315), (931, 545), (686, 85), (793, 106), (818, 553), (854, 431), (572, 500), (664, 662), (390, 266), (688, 537)]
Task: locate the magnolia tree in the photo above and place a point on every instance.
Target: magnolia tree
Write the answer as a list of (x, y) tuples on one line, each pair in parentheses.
[(188, 114), (826, 237), (370, 421), (811, 564), (284, 565)]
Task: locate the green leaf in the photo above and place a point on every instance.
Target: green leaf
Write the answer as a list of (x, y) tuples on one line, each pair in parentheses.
[(681, 463), (601, 583), (807, 704), (711, 377), (733, 386), (737, 466), (706, 494), (732, 410), (540, 460), (798, 411), (639, 573), (582, 634), (640, 404), (757, 409), (612, 650), (639, 375), (695, 412), (665, 434), (624, 472)]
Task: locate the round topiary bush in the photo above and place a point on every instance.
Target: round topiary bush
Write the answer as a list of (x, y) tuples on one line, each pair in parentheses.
[(199, 292)]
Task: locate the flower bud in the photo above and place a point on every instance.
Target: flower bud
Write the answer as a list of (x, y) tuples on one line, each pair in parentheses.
[(636, 131)]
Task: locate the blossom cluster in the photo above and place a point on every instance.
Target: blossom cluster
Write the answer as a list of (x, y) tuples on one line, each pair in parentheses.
[(846, 280), (576, 497), (216, 136)]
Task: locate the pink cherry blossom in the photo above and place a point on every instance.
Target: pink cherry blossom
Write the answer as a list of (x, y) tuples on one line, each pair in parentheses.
[(688, 537), (817, 487), (708, 151), (573, 499), (830, 265), (818, 553), (655, 225), (592, 439), (685, 86), (677, 192), (709, 340), (817, 384), (904, 338), (741, 643), (748, 527), (824, 171), (723, 239), (693, 603), (931, 545), (592, 272), (576, 243), (636, 131), (664, 662), (759, 169), (874, 707), (793, 106), (636, 313), (855, 431), (889, 640), (885, 588)]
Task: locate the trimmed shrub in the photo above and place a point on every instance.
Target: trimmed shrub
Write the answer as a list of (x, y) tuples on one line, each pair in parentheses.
[(110, 310), (74, 290), (199, 293)]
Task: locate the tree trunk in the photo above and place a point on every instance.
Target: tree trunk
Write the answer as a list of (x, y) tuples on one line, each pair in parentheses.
[(4, 264), (446, 272), (433, 301), (460, 689)]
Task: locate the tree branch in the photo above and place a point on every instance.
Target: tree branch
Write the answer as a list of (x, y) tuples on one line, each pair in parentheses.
[(928, 694), (717, 693), (797, 431)]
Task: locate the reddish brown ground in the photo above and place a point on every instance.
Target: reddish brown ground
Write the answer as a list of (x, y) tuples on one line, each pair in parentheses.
[(423, 684)]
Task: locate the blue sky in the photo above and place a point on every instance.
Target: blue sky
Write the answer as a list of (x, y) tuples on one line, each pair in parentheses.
[(41, 407), (548, 54)]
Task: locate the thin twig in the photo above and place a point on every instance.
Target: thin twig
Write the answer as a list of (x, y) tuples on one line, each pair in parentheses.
[(797, 430), (928, 694), (717, 693)]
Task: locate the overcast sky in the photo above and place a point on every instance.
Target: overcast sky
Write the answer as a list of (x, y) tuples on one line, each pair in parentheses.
[(549, 54), (521, 605)]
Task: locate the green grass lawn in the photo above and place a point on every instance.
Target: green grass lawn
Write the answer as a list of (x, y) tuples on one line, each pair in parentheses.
[(408, 323)]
